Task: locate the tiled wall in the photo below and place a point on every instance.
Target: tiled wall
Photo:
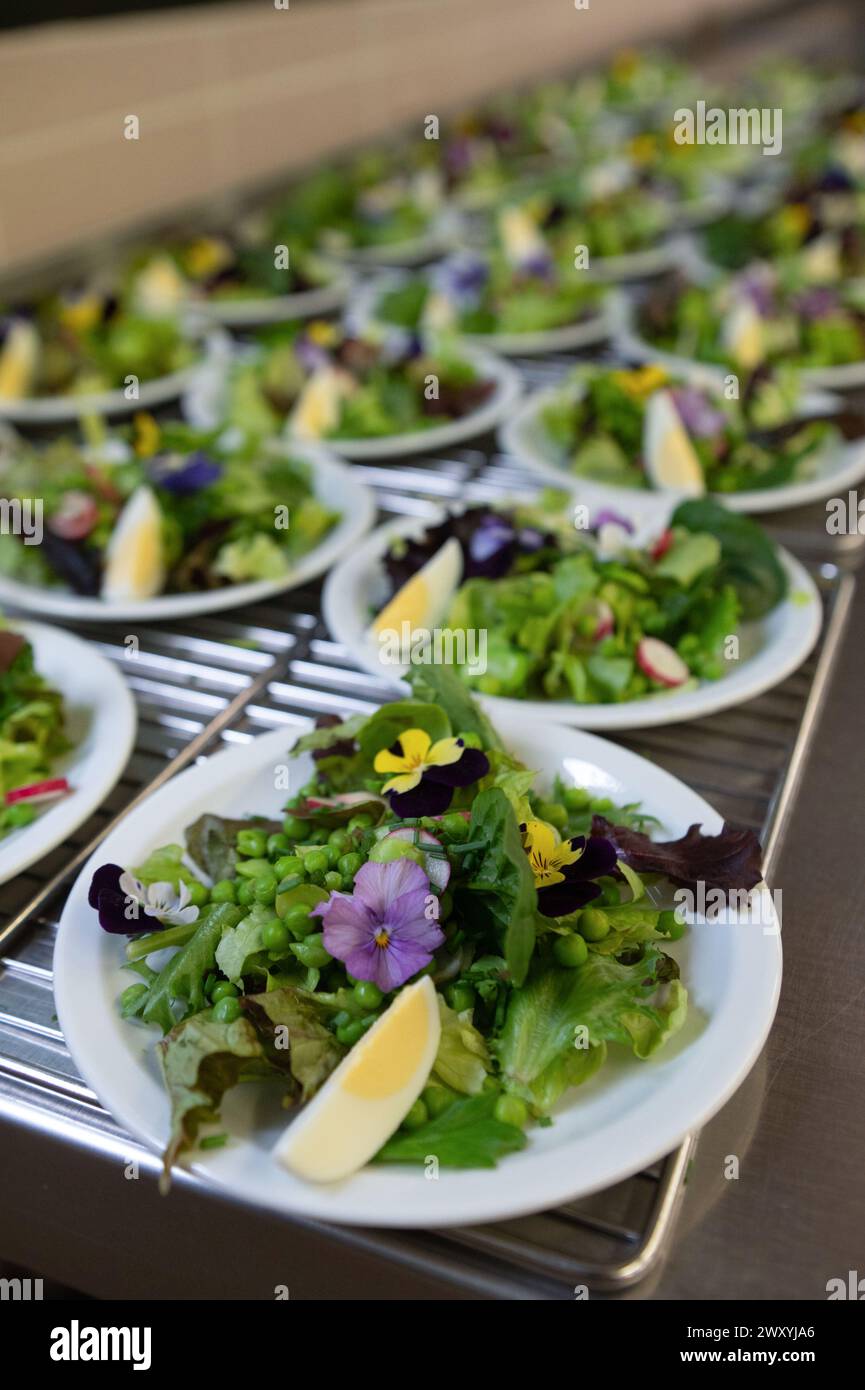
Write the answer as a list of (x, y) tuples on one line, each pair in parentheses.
[(230, 94)]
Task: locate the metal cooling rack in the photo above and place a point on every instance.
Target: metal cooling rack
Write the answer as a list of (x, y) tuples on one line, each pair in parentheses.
[(224, 679)]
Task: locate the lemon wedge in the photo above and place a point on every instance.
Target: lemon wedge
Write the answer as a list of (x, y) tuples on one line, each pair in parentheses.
[(670, 458), (369, 1094), (742, 335), (18, 360), (425, 598), (318, 406)]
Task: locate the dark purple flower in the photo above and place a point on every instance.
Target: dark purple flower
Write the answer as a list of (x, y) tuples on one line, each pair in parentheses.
[(757, 283), (607, 517), (310, 355), (539, 265), (184, 476), (565, 870), (816, 303), (699, 416), (106, 897), (381, 931), (490, 546), (424, 774), (461, 279)]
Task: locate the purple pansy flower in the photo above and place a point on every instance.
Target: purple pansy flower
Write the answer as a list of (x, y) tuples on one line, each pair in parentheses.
[(424, 774), (183, 476), (381, 931), (607, 517), (461, 279), (565, 870), (310, 355), (111, 903), (699, 416), (816, 303)]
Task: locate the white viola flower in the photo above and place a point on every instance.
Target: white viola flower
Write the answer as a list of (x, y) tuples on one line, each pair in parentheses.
[(161, 900)]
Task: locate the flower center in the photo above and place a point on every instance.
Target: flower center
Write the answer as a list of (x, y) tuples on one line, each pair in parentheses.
[(382, 938)]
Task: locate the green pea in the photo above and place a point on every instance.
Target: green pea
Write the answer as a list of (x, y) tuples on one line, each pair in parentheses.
[(224, 891), (275, 935), (316, 837), (602, 804), (553, 812), (437, 1099), (277, 845), (570, 951), (299, 922), (316, 862), (368, 994), (223, 989), (349, 1033), (289, 866), (264, 889), (333, 881), (311, 952), (17, 815), (226, 1010), (417, 1116), (244, 893), (460, 997), (254, 868), (670, 924), (576, 798), (471, 739), (361, 822), (455, 826), (252, 843), (294, 829), (198, 894), (339, 839), (510, 1110), (610, 895), (593, 924), (348, 864), (131, 995)]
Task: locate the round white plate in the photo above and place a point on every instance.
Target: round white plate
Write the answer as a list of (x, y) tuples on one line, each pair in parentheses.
[(837, 468), (634, 348), (305, 304), (202, 404), (568, 338), (101, 720), (437, 241), (57, 410), (334, 484), (628, 1116), (770, 650)]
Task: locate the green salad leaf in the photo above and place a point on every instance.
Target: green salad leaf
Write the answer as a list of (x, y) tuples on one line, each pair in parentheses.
[(462, 1061), (466, 1135), (181, 981), (749, 560), (501, 881)]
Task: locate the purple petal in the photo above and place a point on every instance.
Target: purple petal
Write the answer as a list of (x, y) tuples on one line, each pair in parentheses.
[(561, 899), (197, 472), (472, 766), (399, 962), (428, 798), (698, 415), (378, 885), (110, 903), (607, 517), (407, 920), (597, 859)]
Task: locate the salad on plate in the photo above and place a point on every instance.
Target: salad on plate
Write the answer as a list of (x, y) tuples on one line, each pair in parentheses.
[(32, 735), (590, 616), (649, 428), (426, 950), (160, 508), (324, 383)]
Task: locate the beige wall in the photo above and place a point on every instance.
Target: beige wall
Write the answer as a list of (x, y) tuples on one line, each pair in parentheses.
[(232, 94)]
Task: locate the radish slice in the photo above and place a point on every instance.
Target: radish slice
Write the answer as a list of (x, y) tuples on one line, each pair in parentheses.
[(662, 545), (660, 663), (75, 517), (436, 863), (38, 791)]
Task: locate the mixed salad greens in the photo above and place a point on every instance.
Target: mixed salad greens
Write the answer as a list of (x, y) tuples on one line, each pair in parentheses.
[(619, 427), (325, 383), (32, 735), (752, 318), (248, 262), (160, 508), (589, 616), (420, 846), (88, 340)]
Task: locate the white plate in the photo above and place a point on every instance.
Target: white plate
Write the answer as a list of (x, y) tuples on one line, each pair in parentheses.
[(436, 242), (201, 407), (837, 468), (771, 649), (57, 410), (333, 482), (101, 720), (567, 338), (305, 304), (628, 1116), (632, 346)]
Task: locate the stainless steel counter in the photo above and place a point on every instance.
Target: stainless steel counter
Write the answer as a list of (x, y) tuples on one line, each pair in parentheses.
[(72, 1209)]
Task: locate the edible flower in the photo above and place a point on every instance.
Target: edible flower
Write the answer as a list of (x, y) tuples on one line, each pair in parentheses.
[(185, 474), (115, 911), (641, 382), (146, 435), (426, 773), (161, 900), (565, 870), (461, 279), (381, 931), (699, 416)]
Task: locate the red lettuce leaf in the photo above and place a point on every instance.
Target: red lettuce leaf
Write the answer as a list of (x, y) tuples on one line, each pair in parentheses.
[(726, 861)]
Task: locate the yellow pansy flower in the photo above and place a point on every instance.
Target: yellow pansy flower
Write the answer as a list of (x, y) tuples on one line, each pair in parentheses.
[(418, 753), (548, 853), (147, 435), (642, 381)]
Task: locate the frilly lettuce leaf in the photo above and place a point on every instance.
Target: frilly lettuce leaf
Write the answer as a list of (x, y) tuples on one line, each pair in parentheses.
[(462, 1061)]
